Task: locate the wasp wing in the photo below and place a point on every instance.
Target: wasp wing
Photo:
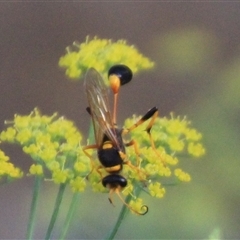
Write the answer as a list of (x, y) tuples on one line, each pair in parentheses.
[(97, 97)]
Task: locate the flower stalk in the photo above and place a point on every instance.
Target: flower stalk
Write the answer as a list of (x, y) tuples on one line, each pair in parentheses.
[(120, 218), (124, 211), (55, 210), (33, 209), (70, 214)]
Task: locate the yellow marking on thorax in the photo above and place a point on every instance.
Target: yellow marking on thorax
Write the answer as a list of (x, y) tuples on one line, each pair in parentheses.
[(107, 145)]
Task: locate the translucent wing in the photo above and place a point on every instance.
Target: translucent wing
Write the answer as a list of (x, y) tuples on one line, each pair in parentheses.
[(99, 108)]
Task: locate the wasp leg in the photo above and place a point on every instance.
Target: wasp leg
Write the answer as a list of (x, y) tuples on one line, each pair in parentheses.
[(126, 161), (91, 159), (152, 115), (117, 191), (112, 190), (136, 150), (148, 130), (142, 175)]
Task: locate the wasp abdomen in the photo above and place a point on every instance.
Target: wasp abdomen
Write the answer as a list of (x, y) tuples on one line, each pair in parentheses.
[(110, 157), (114, 181)]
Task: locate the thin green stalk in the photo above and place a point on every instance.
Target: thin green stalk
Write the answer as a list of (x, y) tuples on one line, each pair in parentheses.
[(55, 210), (76, 196), (70, 214), (91, 136), (123, 212), (33, 209), (120, 219)]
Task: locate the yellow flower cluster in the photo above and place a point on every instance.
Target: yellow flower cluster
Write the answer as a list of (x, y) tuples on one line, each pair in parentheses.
[(170, 137), (7, 169), (102, 54), (54, 145), (54, 142)]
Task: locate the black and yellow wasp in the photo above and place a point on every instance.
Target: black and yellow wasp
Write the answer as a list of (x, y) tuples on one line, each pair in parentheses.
[(109, 142)]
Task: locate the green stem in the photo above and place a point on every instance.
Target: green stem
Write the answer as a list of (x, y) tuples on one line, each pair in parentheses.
[(32, 216), (91, 136), (120, 219), (70, 214), (55, 210), (123, 212)]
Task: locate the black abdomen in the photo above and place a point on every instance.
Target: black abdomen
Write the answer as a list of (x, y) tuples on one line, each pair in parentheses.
[(109, 157)]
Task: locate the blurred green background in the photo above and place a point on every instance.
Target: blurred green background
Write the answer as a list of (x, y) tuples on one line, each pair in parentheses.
[(196, 47)]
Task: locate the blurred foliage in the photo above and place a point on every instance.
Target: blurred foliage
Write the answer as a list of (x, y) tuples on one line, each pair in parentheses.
[(229, 79), (209, 208), (215, 234), (214, 109), (186, 51)]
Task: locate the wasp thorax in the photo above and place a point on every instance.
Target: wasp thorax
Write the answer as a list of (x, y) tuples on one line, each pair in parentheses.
[(122, 71)]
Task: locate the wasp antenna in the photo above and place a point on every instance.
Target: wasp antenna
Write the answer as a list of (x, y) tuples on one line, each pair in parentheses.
[(124, 202)]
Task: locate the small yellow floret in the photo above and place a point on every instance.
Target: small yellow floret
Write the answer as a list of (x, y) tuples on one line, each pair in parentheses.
[(36, 169), (175, 144), (98, 187), (48, 154), (60, 176), (7, 168), (3, 157), (24, 136), (156, 190), (176, 126), (137, 205), (78, 184), (8, 135), (193, 135), (81, 167), (196, 149), (181, 175)]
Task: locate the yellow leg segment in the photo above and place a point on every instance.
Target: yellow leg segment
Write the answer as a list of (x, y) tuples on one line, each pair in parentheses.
[(91, 159), (117, 191)]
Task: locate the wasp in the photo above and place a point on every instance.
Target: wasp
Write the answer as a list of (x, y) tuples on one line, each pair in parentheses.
[(108, 137)]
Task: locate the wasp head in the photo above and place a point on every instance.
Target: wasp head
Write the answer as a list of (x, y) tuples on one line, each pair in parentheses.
[(119, 75)]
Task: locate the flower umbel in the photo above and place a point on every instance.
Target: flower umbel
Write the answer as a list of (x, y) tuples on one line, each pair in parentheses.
[(157, 155), (54, 145), (7, 169), (102, 54), (171, 137), (154, 145)]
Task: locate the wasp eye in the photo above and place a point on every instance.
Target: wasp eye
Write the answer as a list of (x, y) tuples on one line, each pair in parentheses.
[(122, 71)]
